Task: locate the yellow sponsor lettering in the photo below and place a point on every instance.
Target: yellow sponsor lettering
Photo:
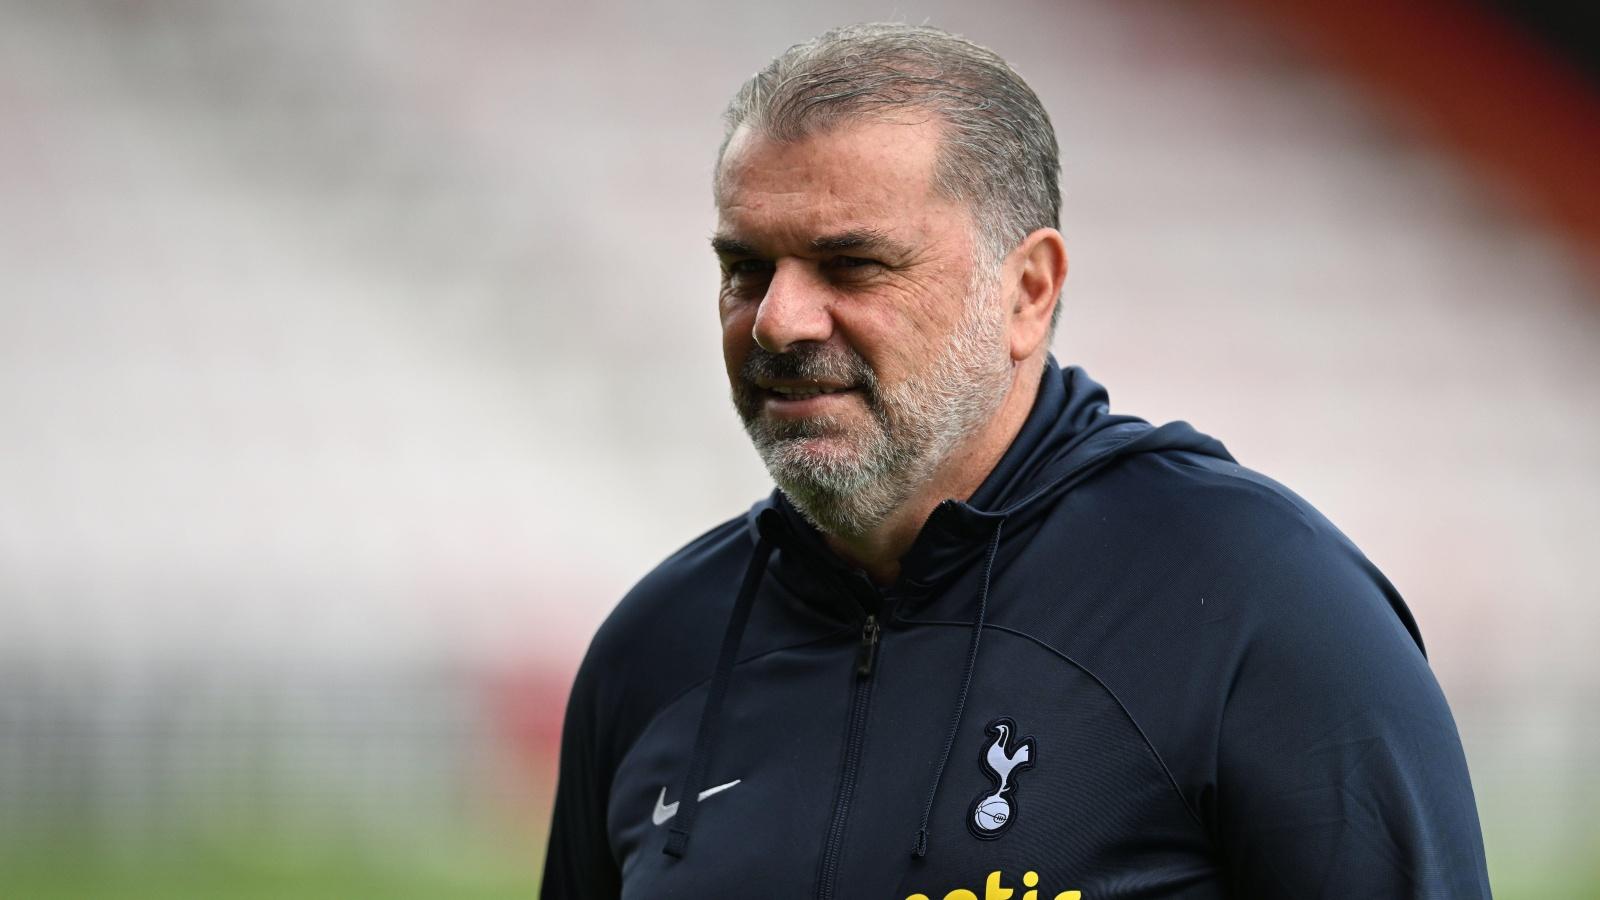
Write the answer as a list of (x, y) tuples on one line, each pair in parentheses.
[(994, 888)]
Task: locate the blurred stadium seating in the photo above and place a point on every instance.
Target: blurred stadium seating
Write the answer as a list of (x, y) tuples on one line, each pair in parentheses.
[(356, 357)]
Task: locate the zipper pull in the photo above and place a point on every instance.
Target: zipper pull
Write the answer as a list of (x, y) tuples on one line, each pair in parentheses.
[(869, 647)]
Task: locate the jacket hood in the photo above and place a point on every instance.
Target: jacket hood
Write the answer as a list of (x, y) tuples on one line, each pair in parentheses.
[(1068, 436)]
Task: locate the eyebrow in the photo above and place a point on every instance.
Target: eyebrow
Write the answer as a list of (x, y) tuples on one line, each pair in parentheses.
[(727, 246), (855, 239), (860, 239)]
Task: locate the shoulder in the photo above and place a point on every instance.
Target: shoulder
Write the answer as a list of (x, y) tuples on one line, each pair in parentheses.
[(1268, 623), (1213, 502), (1200, 561), (1264, 553), (680, 591), (660, 638)]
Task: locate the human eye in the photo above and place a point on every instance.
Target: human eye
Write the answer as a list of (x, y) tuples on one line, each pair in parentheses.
[(746, 268), (745, 275), (849, 266)]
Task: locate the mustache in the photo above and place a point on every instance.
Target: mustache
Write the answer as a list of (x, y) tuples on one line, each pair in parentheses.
[(810, 363)]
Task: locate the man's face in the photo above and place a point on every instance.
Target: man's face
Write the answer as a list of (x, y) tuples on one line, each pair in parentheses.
[(860, 340)]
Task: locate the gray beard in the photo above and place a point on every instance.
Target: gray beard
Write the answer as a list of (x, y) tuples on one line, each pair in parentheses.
[(847, 492)]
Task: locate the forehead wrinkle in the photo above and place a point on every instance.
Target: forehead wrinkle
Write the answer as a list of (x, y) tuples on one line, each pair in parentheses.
[(870, 138), (825, 192), (805, 222)]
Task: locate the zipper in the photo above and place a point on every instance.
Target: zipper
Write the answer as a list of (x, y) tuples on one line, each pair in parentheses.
[(868, 651), (855, 738)]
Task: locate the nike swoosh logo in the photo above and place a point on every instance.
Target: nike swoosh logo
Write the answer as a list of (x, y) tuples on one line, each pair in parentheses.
[(665, 810)]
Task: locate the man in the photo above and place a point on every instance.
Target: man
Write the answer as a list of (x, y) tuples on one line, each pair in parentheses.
[(986, 639)]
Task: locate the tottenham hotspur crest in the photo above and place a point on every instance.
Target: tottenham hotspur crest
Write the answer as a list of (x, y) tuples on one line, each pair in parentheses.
[(993, 812)]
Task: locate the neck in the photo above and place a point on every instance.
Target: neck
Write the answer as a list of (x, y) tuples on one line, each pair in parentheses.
[(958, 475)]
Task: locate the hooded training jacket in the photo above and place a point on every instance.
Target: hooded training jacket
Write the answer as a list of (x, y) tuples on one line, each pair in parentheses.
[(1127, 667)]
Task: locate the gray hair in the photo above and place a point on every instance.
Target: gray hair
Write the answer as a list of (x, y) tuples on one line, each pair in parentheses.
[(998, 154)]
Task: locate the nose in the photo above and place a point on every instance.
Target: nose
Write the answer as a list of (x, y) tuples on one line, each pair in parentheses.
[(795, 309)]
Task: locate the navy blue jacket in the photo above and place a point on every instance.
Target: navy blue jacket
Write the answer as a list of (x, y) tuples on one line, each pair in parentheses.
[(1126, 667)]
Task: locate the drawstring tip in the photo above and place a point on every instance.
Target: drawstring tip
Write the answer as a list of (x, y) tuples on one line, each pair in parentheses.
[(921, 849), (677, 841)]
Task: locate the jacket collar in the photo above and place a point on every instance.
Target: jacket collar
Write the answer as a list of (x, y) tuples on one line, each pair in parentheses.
[(1069, 434)]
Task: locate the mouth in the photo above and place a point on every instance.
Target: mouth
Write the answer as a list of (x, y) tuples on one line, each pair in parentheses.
[(801, 392), (804, 399)]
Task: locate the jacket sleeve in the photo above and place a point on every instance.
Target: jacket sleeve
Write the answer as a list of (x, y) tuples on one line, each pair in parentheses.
[(578, 864), (1340, 772)]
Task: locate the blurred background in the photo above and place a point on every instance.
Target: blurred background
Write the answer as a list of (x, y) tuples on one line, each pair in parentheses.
[(356, 357)]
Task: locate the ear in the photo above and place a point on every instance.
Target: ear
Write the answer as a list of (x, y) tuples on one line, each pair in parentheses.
[(1037, 269)]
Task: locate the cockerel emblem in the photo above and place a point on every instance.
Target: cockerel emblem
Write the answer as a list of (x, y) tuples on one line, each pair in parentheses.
[(993, 812)]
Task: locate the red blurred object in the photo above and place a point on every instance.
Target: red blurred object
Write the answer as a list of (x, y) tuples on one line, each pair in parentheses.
[(1479, 82)]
